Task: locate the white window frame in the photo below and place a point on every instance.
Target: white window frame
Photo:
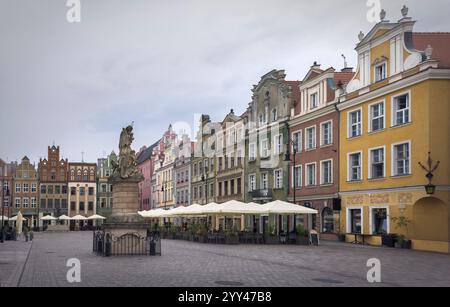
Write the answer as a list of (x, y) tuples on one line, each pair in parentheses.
[(252, 153), (316, 95), (384, 63), (349, 125), (33, 187), (300, 183), (27, 186), (300, 140), (251, 187), (278, 144), (371, 118), (349, 166), (322, 131), (262, 149), (394, 113), (348, 218), (307, 174), (33, 202), (18, 202), (280, 171), (274, 119), (26, 202), (307, 138), (369, 161), (266, 180), (331, 172), (393, 154), (18, 187), (371, 216)]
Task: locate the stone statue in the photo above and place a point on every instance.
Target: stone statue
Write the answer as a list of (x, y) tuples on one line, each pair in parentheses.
[(126, 167)]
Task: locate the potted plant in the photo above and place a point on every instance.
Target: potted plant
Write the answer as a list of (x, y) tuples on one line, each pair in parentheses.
[(202, 233), (271, 236), (302, 235), (401, 241), (231, 236), (173, 230)]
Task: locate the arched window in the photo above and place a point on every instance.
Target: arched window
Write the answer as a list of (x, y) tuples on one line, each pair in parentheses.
[(72, 174), (79, 175), (327, 220), (85, 175), (91, 175)]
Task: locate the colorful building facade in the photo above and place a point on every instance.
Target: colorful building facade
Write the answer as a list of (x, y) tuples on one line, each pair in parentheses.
[(395, 111), (25, 191)]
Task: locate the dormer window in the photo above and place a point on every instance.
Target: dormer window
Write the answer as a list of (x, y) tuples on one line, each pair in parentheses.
[(380, 72), (313, 101)]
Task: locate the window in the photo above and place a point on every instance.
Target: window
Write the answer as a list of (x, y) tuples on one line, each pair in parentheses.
[(380, 72), (252, 182), (18, 187), (57, 202), (33, 202), (264, 181), (311, 138), (326, 134), (274, 115), (17, 202), (72, 206), (91, 206), (379, 221), (354, 162), (33, 187), (73, 191), (220, 189), (91, 191), (252, 152), (376, 163), (313, 101), (81, 205), (402, 160), (239, 186), (82, 191), (297, 177), (225, 188), (195, 193), (43, 203), (327, 220), (278, 144), (57, 189), (50, 203), (376, 116), (264, 148), (50, 189), (26, 188), (211, 190), (200, 191), (63, 203), (401, 110), (355, 220), (310, 174), (278, 179), (85, 175), (355, 124), (326, 172), (104, 188), (195, 169), (297, 140)]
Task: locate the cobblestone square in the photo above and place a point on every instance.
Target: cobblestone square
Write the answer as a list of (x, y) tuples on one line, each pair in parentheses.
[(188, 264)]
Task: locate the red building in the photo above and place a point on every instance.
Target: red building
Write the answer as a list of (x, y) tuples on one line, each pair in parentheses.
[(7, 171), (145, 161), (314, 129)]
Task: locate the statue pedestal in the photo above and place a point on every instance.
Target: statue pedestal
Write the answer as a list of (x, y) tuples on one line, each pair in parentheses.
[(125, 231)]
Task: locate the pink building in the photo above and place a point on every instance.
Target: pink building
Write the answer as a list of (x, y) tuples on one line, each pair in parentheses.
[(145, 163)]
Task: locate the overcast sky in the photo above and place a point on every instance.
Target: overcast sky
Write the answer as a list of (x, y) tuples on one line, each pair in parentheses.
[(158, 62)]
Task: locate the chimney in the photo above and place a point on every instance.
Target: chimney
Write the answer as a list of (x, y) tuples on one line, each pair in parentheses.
[(347, 69)]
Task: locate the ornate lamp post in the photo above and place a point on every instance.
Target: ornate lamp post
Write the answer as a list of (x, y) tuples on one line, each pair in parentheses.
[(4, 191), (287, 158), (430, 169), (205, 180)]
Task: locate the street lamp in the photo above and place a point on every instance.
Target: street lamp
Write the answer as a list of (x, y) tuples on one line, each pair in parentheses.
[(430, 188), (4, 190), (287, 158), (205, 179)]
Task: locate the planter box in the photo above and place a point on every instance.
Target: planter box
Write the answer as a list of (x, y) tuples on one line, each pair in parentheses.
[(388, 240), (302, 241)]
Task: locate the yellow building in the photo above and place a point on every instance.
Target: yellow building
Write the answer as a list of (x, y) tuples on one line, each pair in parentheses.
[(396, 110)]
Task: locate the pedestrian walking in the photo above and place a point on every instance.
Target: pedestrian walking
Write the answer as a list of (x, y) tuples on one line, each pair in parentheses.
[(31, 234), (25, 233)]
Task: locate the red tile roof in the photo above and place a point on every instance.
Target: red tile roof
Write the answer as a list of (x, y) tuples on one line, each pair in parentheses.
[(439, 41), (343, 77)]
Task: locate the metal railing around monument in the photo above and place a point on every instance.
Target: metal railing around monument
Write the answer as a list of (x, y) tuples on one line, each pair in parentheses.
[(129, 244)]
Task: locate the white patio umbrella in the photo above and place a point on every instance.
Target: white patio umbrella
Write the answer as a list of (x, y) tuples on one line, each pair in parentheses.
[(48, 218), (211, 208), (64, 218), (192, 210), (153, 213), (237, 207), (96, 217), (282, 207), (19, 222), (5, 218), (175, 211), (79, 218)]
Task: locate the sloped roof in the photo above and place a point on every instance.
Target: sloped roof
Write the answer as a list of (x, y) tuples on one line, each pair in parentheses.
[(439, 41), (147, 153), (343, 77)]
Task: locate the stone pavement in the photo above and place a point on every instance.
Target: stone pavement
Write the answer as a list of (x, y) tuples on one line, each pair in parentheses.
[(13, 255), (189, 264)]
